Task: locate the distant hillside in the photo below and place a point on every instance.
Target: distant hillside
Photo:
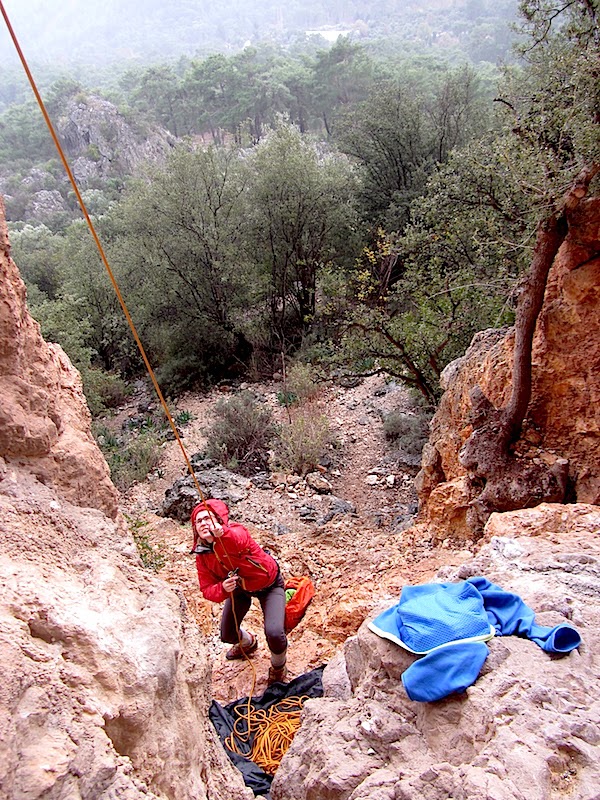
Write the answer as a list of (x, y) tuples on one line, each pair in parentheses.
[(73, 31)]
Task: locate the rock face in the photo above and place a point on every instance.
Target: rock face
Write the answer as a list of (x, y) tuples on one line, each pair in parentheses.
[(102, 144), (102, 148), (44, 420), (528, 729), (105, 681), (564, 414)]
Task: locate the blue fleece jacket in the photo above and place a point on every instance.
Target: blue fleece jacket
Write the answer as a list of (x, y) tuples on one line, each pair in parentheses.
[(448, 623)]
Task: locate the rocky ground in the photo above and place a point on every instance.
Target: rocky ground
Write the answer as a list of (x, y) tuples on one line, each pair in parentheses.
[(351, 540)]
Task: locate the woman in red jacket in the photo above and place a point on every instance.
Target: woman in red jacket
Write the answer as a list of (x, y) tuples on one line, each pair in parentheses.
[(233, 568)]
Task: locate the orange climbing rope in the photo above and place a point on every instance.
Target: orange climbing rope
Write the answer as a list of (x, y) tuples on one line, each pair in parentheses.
[(273, 729), (90, 224)]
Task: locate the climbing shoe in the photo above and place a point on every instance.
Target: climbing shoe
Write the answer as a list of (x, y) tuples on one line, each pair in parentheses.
[(237, 651), (276, 674)]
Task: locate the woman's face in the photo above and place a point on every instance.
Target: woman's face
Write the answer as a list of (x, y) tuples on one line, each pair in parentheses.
[(207, 527)]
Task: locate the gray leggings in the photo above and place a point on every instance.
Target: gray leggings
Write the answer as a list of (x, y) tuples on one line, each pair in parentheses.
[(272, 602)]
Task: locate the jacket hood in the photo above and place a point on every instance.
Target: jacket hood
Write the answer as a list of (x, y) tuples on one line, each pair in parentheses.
[(218, 507)]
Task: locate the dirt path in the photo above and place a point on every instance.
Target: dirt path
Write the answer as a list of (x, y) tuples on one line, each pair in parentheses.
[(356, 560)]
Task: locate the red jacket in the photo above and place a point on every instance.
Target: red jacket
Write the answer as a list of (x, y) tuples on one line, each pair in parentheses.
[(235, 549)]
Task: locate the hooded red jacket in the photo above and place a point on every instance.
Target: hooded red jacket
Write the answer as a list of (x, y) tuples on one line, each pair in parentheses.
[(235, 549)]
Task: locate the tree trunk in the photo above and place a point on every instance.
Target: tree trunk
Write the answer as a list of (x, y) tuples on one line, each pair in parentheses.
[(501, 480)]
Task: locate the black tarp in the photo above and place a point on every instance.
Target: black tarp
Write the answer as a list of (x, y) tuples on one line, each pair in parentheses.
[(223, 718)]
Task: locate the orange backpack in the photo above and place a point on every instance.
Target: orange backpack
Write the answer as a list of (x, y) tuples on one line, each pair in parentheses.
[(297, 604)]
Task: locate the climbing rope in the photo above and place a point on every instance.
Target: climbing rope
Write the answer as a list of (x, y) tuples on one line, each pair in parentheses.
[(273, 729), (107, 266)]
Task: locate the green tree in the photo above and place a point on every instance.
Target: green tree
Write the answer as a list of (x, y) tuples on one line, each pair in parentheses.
[(158, 97), (39, 254), (180, 255), (400, 133), (208, 89), (300, 219), (84, 279), (415, 300), (554, 158), (343, 75), (23, 135)]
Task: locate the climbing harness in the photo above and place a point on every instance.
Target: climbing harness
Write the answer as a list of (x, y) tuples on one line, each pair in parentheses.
[(275, 729)]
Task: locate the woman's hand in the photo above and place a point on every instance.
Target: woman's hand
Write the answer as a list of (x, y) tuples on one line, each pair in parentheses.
[(230, 583)]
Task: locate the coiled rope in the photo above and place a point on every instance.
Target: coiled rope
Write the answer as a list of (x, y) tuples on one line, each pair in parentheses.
[(272, 729)]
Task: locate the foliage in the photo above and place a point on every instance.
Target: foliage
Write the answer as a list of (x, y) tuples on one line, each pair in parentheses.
[(85, 279), (408, 432), (24, 135), (179, 255), (153, 556), (415, 298), (550, 107), (302, 441), (301, 382), (401, 132), (299, 218), (241, 434), (38, 253), (183, 417), (388, 258), (130, 459), (103, 390), (342, 76), (286, 398), (405, 317)]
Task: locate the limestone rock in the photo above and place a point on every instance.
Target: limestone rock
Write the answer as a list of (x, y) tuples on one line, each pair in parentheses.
[(44, 419), (527, 729), (564, 418), (101, 144), (105, 686), (104, 689), (318, 483), (214, 480)]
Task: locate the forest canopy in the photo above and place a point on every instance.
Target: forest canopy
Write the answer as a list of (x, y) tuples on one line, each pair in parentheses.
[(358, 211)]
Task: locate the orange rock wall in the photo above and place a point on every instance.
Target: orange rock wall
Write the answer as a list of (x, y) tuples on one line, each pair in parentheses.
[(564, 413), (44, 419)]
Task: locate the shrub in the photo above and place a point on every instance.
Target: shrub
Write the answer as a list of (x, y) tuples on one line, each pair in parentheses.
[(183, 417), (408, 431), (241, 435), (103, 390), (286, 398), (301, 383), (129, 461), (152, 556), (302, 442)]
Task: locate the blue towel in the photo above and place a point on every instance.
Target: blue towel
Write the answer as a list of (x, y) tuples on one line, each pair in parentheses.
[(448, 623)]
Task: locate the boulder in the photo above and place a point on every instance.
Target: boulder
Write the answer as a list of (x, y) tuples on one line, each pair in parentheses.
[(215, 481), (527, 729)]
